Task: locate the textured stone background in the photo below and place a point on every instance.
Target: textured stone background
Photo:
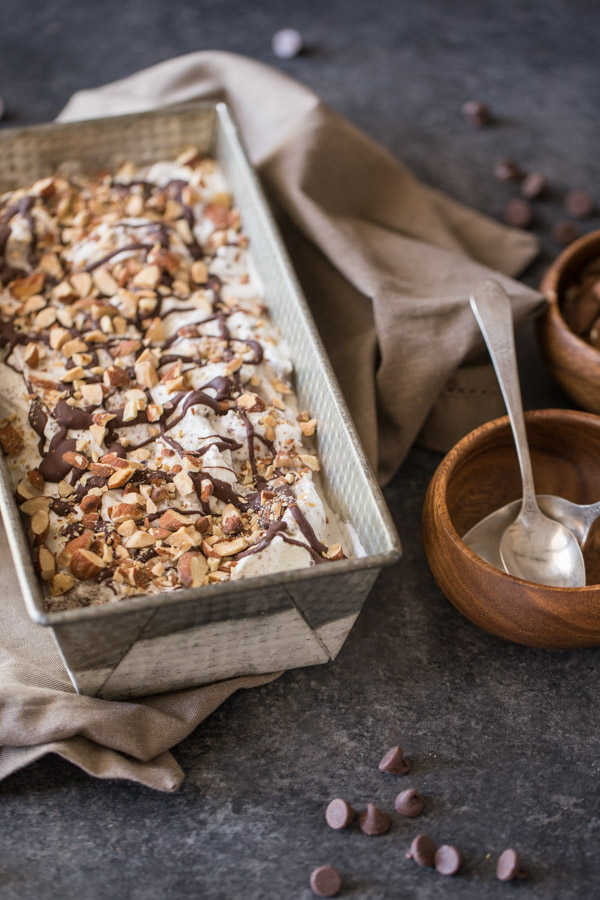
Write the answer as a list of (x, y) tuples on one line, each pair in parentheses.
[(504, 739)]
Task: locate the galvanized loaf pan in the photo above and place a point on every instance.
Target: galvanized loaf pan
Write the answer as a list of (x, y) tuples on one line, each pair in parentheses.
[(148, 644)]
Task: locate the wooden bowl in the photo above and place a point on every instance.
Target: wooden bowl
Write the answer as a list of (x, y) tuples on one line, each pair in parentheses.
[(479, 475), (573, 362)]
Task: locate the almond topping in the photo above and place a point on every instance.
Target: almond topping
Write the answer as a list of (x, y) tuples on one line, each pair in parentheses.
[(22, 288), (192, 568), (76, 460), (231, 520), (105, 283), (92, 393), (121, 511), (140, 539), (172, 520), (85, 564), (148, 277), (230, 548), (120, 477), (46, 563), (40, 521), (183, 483), (61, 584), (82, 282), (199, 272)]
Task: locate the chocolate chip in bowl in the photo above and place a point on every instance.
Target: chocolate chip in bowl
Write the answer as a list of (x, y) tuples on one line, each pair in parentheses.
[(569, 330)]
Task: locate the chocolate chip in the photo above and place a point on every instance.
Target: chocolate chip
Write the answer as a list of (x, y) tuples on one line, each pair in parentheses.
[(287, 43), (534, 185), (422, 850), (409, 803), (477, 113), (447, 860), (339, 814), (326, 881), (509, 867), (518, 212), (579, 203), (565, 232), (394, 762), (374, 821), (507, 170)]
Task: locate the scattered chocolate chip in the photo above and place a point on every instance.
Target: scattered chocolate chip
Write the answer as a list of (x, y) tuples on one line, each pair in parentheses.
[(422, 850), (409, 803), (287, 43), (394, 762), (374, 821), (534, 185), (339, 814), (509, 867), (579, 203), (477, 113), (518, 212), (565, 232), (2, 108), (507, 170), (326, 881), (447, 860)]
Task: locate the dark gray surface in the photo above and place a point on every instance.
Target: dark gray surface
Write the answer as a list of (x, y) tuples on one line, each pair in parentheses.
[(504, 739)]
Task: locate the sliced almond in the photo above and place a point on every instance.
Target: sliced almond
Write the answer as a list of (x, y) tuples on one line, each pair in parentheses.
[(155, 333), (120, 477), (85, 564), (40, 521), (47, 563), (145, 374), (183, 483), (231, 520), (199, 272), (139, 539), (173, 520), (61, 584), (192, 568), (22, 288), (148, 277), (230, 548), (92, 393), (308, 428), (122, 511), (82, 282), (76, 460), (105, 283)]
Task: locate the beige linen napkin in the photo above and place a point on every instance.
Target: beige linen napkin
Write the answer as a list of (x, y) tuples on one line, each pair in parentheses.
[(387, 265)]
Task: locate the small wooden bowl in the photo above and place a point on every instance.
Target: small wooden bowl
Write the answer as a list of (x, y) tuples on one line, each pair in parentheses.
[(573, 362), (479, 475)]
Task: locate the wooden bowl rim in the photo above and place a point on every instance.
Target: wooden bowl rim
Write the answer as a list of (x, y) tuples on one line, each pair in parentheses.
[(445, 468), (549, 288)]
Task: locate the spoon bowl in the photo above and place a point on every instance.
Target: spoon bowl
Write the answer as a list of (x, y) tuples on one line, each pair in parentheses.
[(484, 537)]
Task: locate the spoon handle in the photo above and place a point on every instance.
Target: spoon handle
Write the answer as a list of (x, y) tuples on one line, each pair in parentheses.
[(492, 309)]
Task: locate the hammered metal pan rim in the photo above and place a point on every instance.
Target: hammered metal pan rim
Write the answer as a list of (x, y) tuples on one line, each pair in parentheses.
[(19, 545)]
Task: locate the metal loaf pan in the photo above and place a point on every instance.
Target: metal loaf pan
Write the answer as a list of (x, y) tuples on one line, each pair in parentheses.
[(148, 644)]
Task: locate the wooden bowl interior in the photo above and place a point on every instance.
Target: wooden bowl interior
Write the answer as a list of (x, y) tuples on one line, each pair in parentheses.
[(566, 461), (567, 269)]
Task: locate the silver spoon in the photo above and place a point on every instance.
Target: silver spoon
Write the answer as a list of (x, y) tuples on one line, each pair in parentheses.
[(534, 547), (484, 537)]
